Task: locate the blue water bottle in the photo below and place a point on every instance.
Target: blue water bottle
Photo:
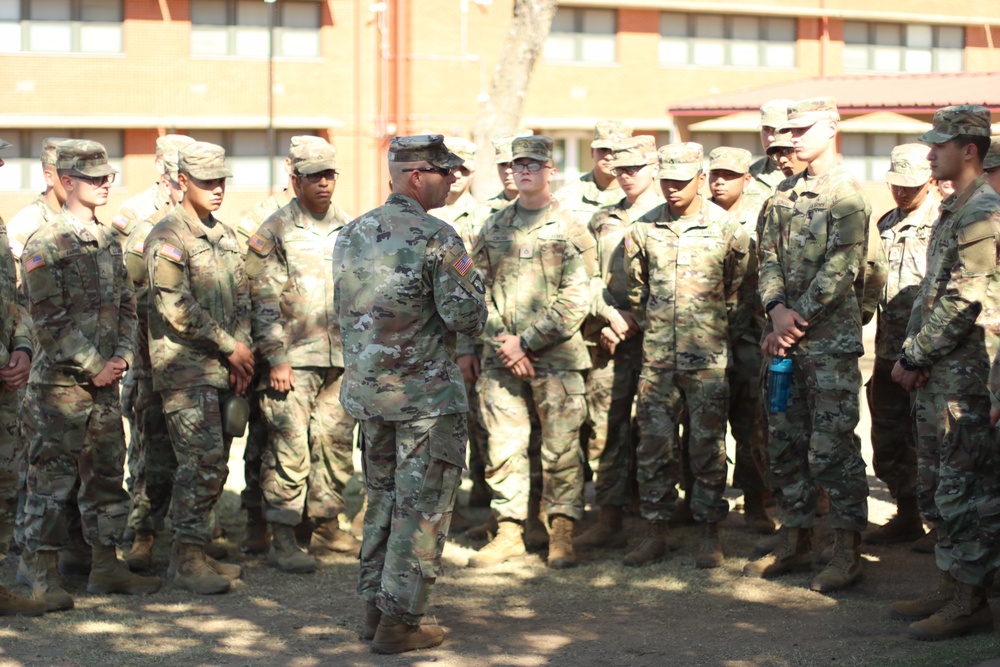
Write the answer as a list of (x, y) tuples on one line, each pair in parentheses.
[(779, 384)]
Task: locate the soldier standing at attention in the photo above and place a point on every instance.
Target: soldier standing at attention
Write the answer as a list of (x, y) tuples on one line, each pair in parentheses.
[(83, 318), (765, 172), (46, 205), (503, 161), (199, 336), (307, 461), (404, 286), (951, 339), (597, 187), (813, 249)]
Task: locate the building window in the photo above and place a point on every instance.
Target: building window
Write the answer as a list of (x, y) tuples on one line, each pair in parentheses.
[(866, 156), (714, 40), (583, 36), (247, 155), (240, 28), (61, 26), (23, 171), (897, 47)]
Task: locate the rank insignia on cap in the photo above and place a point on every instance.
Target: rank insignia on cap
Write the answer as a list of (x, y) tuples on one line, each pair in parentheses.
[(33, 263), (256, 243), (119, 221), (463, 264), (172, 253)]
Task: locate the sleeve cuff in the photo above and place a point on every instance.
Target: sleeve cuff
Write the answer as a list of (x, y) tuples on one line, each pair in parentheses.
[(226, 344), (532, 339)]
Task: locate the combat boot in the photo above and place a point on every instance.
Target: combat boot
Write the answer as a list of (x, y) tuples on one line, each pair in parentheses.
[(47, 582), (654, 546), (506, 545), (682, 515), (561, 555), (255, 535), (607, 533), (327, 538), (358, 522), (370, 621), (12, 604), (767, 545), (756, 516), (845, 566), (216, 550), (285, 553), (483, 530), (75, 558), (110, 575), (905, 526), (25, 569), (710, 549), (481, 494), (790, 555), (536, 536), (921, 608), (966, 613), (140, 555), (231, 571), (192, 572), (927, 543), (394, 635)]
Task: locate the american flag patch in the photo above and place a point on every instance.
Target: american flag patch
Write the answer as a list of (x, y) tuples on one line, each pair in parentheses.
[(33, 263), (257, 243), (119, 221), (463, 264), (172, 253), (138, 247), (629, 243)]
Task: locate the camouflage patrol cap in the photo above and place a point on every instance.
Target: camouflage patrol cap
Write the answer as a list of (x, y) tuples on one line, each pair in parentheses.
[(5, 144), (607, 133), (949, 122), (809, 112), (781, 140), (634, 151), (423, 148), (909, 166), (992, 159), (774, 113), (502, 144), (680, 162), (83, 157), (203, 161), (167, 147), (536, 147), (464, 149), (50, 149), (313, 157), (303, 139), (736, 160)]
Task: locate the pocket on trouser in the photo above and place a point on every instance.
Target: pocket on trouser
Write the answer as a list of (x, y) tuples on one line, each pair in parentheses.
[(445, 461)]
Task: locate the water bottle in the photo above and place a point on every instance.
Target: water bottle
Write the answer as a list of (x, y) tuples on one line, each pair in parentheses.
[(779, 384)]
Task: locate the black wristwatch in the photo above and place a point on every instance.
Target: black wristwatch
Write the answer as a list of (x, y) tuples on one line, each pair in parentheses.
[(772, 304), (907, 364), (524, 344)]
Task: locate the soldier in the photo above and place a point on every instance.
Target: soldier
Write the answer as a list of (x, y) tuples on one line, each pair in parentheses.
[(199, 335), (83, 319), (782, 154), (766, 173), (145, 204), (503, 161), (531, 256), (686, 262), (461, 210), (951, 338), (905, 232), (991, 163), (597, 187), (813, 251), (46, 205), (616, 355), (403, 288), (307, 461)]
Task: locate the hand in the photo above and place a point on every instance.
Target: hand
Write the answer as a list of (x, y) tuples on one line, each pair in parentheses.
[(113, 370), (609, 340), (789, 325), (241, 359), (623, 324), (510, 351), (15, 374), (469, 365), (994, 415), (772, 346), (282, 378), (910, 380), (239, 382), (523, 369)]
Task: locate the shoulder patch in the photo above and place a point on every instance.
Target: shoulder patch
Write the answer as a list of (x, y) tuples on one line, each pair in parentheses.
[(138, 247), (463, 265), (120, 221), (172, 253), (629, 243), (34, 262), (260, 245), (248, 226)]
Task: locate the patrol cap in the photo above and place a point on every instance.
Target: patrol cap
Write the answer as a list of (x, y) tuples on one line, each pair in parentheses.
[(167, 147), (204, 161), (83, 157), (302, 139), (536, 147), (502, 143), (908, 166), (781, 140), (423, 148), (607, 133), (736, 160), (680, 162), (992, 159), (774, 113), (809, 112), (5, 144), (464, 149), (313, 157), (949, 122), (50, 149), (634, 151)]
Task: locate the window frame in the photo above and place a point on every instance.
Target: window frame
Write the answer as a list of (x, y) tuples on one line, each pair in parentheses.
[(578, 37), (76, 25), (728, 41), (872, 47), (279, 32)]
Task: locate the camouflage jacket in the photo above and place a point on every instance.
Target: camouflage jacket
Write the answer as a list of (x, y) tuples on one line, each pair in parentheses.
[(904, 239), (813, 250), (258, 213), (291, 288), (538, 286), (14, 331), (498, 203), (465, 215), (403, 287), (26, 221), (955, 321), (199, 301), (684, 278), (583, 198), (747, 213), (80, 300), (136, 209), (766, 176)]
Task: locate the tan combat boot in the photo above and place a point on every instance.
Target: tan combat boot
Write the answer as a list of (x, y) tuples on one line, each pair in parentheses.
[(192, 572), (216, 550), (654, 546), (140, 556), (845, 567), (790, 555), (75, 557), (483, 530), (607, 533), (12, 604), (231, 571), (110, 575), (756, 516), (328, 538), (710, 548), (255, 535), (682, 515), (285, 553), (370, 621), (536, 536), (768, 545), (967, 612), (47, 582), (921, 608), (561, 555), (905, 526), (927, 543), (396, 636), (506, 545)]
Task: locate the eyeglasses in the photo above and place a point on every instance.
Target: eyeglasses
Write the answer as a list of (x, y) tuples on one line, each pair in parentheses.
[(781, 152), (530, 167), (96, 181), (440, 171), (630, 170), (328, 174)]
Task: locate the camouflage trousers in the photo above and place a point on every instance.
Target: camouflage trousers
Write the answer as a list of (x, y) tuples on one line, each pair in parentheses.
[(814, 443), (152, 463), (412, 473), (253, 453), (506, 404), (664, 397), (746, 418), (308, 460), (611, 388), (74, 432), (958, 468), (194, 422), (894, 449), (10, 455)]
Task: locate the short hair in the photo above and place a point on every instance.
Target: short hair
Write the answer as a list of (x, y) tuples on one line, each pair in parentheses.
[(982, 144)]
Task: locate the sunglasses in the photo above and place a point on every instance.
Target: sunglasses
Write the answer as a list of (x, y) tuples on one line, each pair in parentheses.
[(329, 174), (440, 171), (96, 181)]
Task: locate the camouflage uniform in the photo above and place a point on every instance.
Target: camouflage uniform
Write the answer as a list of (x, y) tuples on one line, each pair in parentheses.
[(583, 197), (138, 208), (26, 221), (766, 175), (403, 288)]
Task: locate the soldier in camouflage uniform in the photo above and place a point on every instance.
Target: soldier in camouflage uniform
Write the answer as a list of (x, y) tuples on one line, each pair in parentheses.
[(766, 173), (813, 249), (991, 163), (83, 318), (145, 204), (904, 233), (951, 339), (307, 461), (598, 186), (503, 161), (404, 286), (782, 154), (45, 206), (686, 263), (199, 335)]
